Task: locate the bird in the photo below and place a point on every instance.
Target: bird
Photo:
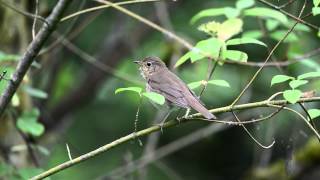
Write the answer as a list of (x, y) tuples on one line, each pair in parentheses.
[(161, 80)]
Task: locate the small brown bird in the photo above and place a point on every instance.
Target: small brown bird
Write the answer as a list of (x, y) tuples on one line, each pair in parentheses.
[(162, 81)]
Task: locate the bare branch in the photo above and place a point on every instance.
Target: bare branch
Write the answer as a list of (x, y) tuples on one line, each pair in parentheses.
[(31, 52), (152, 129)]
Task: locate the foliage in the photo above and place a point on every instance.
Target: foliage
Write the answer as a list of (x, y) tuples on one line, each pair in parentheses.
[(294, 94)]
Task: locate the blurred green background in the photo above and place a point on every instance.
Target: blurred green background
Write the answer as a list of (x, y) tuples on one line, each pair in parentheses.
[(80, 76)]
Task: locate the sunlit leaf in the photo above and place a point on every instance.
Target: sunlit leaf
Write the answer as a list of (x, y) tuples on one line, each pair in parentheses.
[(316, 3), (309, 75), (134, 89), (314, 113), (315, 11), (211, 12), (266, 13), (279, 79), (245, 40), (194, 85), (242, 4), (155, 97), (236, 55), (35, 92), (219, 82), (296, 83), (28, 123), (292, 96)]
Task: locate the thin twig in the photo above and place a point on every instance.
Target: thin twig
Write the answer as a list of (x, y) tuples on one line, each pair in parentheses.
[(310, 119), (152, 129), (251, 136), (267, 59), (27, 14), (31, 52), (35, 20), (149, 23), (298, 19), (102, 7), (300, 115)]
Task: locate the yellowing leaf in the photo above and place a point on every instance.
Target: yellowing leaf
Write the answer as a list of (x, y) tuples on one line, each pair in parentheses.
[(223, 31)]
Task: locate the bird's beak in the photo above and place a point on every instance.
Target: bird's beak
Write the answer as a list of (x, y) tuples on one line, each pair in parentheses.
[(137, 62)]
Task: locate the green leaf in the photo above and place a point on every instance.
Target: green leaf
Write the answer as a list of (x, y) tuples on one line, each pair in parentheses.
[(316, 3), (243, 4), (296, 83), (27, 123), (315, 11), (314, 113), (222, 31), (309, 75), (279, 79), (35, 92), (194, 85), (183, 59), (292, 96), (266, 13), (272, 24), (211, 12), (252, 34), (278, 35), (236, 55), (134, 89), (27, 173), (218, 82), (155, 97), (245, 40), (209, 47), (231, 12)]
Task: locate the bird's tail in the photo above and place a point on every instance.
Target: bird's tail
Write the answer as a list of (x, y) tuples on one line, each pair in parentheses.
[(196, 105)]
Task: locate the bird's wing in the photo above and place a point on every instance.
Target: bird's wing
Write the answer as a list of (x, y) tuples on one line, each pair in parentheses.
[(169, 88)]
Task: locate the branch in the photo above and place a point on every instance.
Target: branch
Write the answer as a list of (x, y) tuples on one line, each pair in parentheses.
[(152, 129), (298, 19), (31, 52)]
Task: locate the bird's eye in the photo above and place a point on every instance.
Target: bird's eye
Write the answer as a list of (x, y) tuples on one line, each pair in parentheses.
[(148, 63)]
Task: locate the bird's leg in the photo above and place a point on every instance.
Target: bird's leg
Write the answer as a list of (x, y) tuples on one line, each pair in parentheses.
[(164, 120), (187, 113), (185, 116)]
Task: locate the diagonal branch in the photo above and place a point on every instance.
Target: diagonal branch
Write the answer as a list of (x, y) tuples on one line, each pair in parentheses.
[(152, 129), (31, 52)]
